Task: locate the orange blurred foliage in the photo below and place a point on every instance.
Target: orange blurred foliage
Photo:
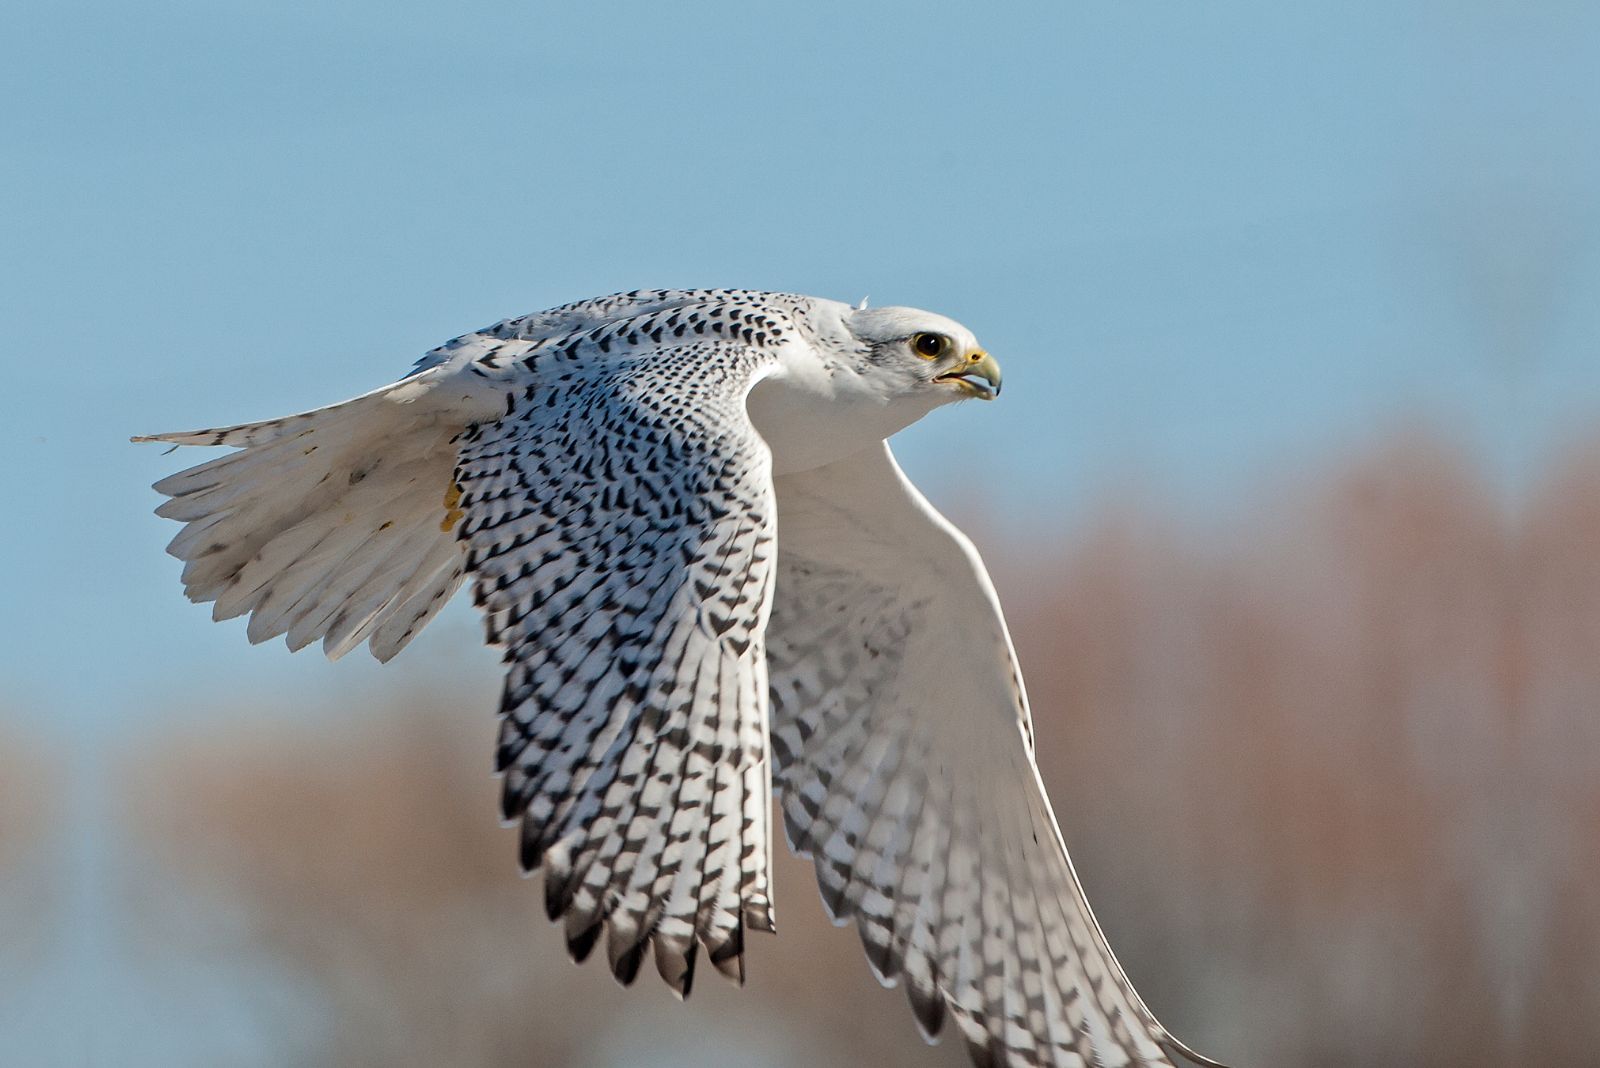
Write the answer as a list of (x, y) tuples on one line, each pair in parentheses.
[(28, 820), (22, 797)]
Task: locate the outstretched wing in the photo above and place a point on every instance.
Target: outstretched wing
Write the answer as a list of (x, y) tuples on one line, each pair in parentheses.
[(904, 760), (619, 523)]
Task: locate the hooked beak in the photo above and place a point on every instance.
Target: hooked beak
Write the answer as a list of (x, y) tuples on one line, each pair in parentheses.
[(977, 375)]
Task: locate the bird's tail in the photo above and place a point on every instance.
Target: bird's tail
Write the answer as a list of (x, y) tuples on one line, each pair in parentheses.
[(336, 524)]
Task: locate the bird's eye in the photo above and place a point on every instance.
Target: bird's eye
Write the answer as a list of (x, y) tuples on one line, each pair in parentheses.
[(930, 346)]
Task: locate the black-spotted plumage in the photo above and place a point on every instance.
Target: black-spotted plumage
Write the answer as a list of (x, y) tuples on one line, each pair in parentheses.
[(621, 546), (660, 497)]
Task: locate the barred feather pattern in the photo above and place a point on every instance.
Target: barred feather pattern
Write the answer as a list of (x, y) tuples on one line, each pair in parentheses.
[(922, 811), (619, 524)]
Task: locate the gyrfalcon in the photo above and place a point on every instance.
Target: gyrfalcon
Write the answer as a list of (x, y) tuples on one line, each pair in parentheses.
[(710, 580)]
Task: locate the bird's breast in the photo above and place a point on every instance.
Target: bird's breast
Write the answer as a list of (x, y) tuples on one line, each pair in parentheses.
[(809, 419)]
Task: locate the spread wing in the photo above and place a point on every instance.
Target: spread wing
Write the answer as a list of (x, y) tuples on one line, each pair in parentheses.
[(619, 530), (905, 767)]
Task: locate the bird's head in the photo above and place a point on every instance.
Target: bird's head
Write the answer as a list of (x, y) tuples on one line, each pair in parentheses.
[(867, 374), (917, 351)]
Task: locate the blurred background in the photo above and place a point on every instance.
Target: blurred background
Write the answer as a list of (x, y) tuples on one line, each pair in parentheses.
[(1293, 497)]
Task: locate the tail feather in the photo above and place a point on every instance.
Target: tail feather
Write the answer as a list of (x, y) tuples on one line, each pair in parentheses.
[(359, 616), (411, 611), (331, 524)]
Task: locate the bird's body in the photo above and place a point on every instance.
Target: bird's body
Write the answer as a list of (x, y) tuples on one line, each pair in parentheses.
[(709, 578)]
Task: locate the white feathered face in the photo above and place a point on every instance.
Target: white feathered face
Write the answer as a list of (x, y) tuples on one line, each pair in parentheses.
[(923, 351)]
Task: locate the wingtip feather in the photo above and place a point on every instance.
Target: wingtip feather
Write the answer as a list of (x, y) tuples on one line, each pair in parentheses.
[(580, 945), (1178, 1050), (625, 966), (675, 964), (927, 1006)]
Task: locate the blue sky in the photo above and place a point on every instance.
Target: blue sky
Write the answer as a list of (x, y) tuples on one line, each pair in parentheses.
[(1207, 242)]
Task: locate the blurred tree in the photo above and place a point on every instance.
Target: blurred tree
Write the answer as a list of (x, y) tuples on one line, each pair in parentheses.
[(29, 815)]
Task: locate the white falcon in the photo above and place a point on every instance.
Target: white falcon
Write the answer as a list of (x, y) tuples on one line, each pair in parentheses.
[(710, 580)]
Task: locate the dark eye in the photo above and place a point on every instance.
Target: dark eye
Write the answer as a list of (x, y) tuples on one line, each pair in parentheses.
[(930, 346)]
